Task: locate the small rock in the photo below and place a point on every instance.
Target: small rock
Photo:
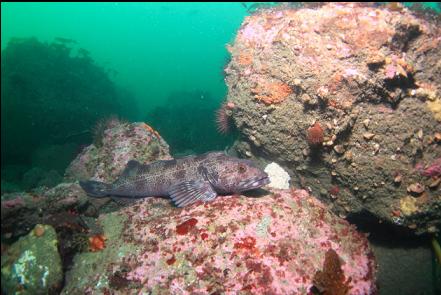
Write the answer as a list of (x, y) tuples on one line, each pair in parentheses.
[(376, 60), (306, 99), (368, 136), (398, 178), (437, 137), (32, 265), (339, 149), (305, 152), (416, 188), (412, 226), (434, 183), (420, 134), (432, 229), (349, 156), (376, 148), (366, 123)]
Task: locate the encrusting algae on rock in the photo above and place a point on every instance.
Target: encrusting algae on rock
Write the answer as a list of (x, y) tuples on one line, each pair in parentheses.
[(367, 76), (32, 265), (234, 244)]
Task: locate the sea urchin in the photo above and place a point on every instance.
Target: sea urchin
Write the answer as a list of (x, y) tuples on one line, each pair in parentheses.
[(223, 118)]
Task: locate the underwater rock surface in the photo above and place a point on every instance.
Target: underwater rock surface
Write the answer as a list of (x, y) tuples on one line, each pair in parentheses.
[(106, 160), (22, 210), (347, 97), (32, 265), (276, 243)]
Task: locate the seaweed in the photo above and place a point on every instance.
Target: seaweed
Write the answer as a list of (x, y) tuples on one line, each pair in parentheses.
[(331, 280)]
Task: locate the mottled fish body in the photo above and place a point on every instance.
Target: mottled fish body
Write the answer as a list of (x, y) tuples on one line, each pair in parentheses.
[(185, 180)]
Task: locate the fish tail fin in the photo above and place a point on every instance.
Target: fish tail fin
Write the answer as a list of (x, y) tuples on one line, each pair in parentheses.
[(95, 188)]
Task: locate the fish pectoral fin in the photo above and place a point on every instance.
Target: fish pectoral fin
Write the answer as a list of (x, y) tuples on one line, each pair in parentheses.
[(188, 192), (131, 168)]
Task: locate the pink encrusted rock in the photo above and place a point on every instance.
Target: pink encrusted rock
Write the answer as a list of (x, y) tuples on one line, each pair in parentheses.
[(274, 244), (343, 65), (17, 202), (124, 142)]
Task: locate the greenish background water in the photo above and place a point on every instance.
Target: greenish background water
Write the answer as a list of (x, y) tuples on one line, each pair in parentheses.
[(157, 48)]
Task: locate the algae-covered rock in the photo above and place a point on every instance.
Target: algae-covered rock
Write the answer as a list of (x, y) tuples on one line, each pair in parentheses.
[(362, 108), (274, 244), (117, 145), (32, 265), (22, 211)]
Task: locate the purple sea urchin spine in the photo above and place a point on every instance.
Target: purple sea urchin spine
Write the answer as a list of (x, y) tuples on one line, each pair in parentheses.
[(222, 120)]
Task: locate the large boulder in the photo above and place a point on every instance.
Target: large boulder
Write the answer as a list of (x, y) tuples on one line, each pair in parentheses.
[(347, 97), (285, 242), (32, 265)]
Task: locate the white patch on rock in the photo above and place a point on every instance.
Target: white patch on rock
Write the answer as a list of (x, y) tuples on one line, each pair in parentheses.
[(20, 268), (279, 178)]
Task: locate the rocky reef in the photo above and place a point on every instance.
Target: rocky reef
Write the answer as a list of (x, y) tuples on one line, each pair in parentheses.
[(347, 97), (280, 241)]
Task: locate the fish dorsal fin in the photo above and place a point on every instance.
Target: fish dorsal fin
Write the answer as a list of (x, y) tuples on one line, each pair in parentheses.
[(188, 192), (132, 168)]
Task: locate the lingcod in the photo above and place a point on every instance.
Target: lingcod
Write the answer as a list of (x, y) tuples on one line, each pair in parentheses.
[(185, 180)]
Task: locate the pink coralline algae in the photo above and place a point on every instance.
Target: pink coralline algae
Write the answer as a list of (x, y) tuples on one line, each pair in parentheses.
[(119, 144), (17, 202), (432, 170), (234, 245)]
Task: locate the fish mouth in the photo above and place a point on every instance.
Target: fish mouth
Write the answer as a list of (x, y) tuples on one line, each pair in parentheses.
[(254, 183)]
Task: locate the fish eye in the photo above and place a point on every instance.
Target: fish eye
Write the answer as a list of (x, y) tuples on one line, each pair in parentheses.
[(242, 168)]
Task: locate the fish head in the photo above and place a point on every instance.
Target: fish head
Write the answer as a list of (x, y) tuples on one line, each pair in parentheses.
[(237, 175)]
